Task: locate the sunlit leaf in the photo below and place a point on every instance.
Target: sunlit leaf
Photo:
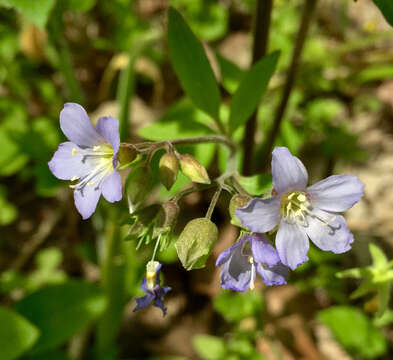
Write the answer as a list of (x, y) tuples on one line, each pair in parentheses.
[(251, 89), (191, 65)]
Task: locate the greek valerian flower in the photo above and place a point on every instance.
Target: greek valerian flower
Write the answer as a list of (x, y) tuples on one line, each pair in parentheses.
[(251, 254), (151, 286), (89, 158), (303, 212)]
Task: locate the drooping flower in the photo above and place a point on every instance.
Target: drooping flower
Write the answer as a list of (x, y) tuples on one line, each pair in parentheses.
[(251, 254), (151, 286), (303, 212), (89, 158)]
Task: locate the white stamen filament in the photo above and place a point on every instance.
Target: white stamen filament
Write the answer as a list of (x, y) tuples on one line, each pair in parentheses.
[(102, 157), (251, 261), (295, 206)]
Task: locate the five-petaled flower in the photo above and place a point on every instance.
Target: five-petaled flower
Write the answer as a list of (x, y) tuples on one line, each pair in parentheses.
[(251, 254), (151, 286), (89, 158), (303, 212)]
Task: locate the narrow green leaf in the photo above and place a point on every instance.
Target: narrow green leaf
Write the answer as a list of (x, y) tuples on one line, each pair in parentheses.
[(383, 298), (231, 74), (251, 88), (192, 66), (60, 311), (379, 259), (16, 334), (386, 7)]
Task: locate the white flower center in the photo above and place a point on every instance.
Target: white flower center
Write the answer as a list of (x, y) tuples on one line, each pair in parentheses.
[(100, 159), (295, 207)]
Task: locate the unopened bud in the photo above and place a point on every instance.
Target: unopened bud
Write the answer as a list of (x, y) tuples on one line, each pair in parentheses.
[(193, 169), (168, 167), (126, 154), (237, 201), (196, 242), (138, 185), (171, 212)]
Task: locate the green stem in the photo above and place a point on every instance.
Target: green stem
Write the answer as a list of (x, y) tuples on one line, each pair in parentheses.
[(261, 37), (219, 139), (290, 79), (213, 203), (113, 284), (64, 59)]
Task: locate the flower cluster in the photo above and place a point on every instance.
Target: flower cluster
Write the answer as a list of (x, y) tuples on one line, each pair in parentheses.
[(299, 212), (90, 159)]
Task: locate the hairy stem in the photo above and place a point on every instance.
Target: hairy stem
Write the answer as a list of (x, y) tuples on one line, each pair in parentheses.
[(219, 139), (261, 37), (290, 79)]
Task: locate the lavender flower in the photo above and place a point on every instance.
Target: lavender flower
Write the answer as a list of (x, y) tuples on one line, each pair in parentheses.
[(89, 158), (302, 212), (251, 254), (151, 286)]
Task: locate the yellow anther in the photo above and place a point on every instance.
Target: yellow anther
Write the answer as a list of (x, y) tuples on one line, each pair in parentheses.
[(301, 197), (90, 184), (96, 148), (74, 151), (290, 196), (74, 178)]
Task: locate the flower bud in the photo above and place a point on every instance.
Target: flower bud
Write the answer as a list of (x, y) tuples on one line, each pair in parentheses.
[(168, 167), (138, 185), (166, 222), (193, 169), (237, 201), (196, 242), (126, 154), (171, 211)]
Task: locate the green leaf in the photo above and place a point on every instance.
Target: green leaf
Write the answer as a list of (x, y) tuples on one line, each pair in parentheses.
[(256, 184), (50, 355), (192, 66), (383, 298), (379, 259), (8, 212), (36, 11), (386, 7), (356, 273), (61, 311), (16, 334), (234, 307), (80, 5), (355, 331), (231, 74), (209, 347), (251, 88)]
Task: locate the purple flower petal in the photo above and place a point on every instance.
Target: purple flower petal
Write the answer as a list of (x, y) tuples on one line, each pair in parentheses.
[(143, 301), (334, 236), (111, 187), (158, 301), (76, 125), (262, 251), (336, 193), (288, 171), (292, 244), (226, 254), (108, 127), (236, 272), (65, 165), (86, 200), (260, 215), (275, 275)]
